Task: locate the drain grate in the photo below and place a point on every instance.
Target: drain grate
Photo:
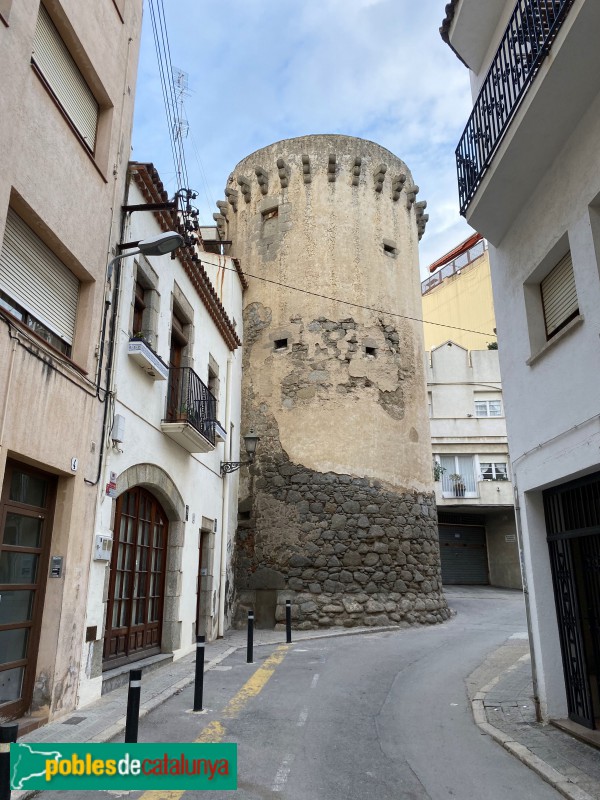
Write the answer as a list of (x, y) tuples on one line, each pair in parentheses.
[(74, 720)]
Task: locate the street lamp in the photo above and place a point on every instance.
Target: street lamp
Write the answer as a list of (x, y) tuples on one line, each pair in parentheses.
[(250, 442), (155, 246)]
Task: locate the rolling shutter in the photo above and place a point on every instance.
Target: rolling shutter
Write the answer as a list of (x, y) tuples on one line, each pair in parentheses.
[(54, 61), (36, 279), (559, 296), (463, 554)]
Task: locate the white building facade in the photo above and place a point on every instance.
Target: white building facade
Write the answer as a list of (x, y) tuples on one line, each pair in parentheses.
[(160, 573), (473, 487), (529, 179)]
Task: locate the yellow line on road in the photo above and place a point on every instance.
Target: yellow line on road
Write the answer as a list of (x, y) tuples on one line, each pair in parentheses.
[(214, 732)]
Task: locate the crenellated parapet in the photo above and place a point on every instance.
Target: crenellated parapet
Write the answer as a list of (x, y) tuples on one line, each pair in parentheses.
[(372, 169)]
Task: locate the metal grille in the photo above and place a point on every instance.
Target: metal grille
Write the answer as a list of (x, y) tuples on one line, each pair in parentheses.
[(526, 43), (579, 697), (573, 524), (36, 279), (66, 82)]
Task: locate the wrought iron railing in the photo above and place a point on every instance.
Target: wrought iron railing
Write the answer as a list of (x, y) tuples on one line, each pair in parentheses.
[(189, 400), (526, 43), (454, 267)]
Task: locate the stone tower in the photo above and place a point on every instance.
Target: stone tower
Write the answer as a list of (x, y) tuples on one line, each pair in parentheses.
[(338, 511)]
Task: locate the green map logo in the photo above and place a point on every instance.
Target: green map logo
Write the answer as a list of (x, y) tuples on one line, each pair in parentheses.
[(123, 766)]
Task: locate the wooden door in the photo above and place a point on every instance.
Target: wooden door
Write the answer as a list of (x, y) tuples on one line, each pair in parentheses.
[(26, 509), (137, 579)]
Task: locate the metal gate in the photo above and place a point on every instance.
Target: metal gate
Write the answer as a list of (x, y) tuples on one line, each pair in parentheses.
[(463, 554), (573, 527)]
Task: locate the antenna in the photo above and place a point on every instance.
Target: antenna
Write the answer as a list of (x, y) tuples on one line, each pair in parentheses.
[(180, 124)]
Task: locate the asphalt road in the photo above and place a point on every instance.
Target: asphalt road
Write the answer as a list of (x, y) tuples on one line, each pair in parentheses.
[(382, 716)]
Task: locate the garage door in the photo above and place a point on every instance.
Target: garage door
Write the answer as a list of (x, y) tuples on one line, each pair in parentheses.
[(464, 554)]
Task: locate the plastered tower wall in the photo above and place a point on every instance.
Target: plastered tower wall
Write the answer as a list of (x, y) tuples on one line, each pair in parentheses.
[(338, 511)]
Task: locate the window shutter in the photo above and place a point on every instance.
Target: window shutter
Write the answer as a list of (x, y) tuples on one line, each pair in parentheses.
[(36, 279), (559, 296), (54, 61)]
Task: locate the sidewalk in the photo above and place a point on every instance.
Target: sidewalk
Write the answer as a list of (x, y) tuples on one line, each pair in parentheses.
[(501, 693)]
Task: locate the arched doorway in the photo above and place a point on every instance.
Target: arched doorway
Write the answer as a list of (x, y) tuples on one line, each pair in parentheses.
[(137, 579)]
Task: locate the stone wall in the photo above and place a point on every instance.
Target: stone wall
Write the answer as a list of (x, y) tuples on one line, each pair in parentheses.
[(337, 512)]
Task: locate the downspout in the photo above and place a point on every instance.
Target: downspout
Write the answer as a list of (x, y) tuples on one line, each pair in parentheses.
[(225, 506), (8, 389), (536, 697)]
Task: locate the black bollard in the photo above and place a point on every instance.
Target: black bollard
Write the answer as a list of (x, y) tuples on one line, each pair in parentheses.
[(133, 706), (8, 734), (199, 681), (250, 650), (288, 621)]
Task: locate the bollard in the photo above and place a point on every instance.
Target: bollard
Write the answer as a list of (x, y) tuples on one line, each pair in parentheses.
[(288, 621), (250, 650), (133, 706), (8, 734), (199, 681)]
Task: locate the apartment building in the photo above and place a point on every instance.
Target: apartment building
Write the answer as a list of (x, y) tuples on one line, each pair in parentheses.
[(65, 129), (529, 181), (473, 486)]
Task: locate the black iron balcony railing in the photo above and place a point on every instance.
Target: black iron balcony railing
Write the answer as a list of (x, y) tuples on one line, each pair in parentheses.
[(526, 43), (189, 400)]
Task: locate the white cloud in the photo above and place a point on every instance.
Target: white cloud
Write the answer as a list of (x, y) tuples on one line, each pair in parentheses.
[(262, 71)]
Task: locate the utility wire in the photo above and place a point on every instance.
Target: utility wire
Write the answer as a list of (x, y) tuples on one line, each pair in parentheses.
[(354, 305)]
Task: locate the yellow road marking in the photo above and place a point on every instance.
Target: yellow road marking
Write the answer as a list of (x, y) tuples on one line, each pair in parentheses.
[(215, 731), (255, 683)]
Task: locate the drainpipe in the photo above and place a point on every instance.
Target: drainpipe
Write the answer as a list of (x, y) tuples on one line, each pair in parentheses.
[(225, 506), (8, 389), (536, 698)]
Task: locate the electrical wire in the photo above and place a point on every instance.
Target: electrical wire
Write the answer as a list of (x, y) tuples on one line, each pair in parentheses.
[(354, 305)]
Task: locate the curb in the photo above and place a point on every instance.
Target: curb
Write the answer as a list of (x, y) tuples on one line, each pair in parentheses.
[(556, 779)]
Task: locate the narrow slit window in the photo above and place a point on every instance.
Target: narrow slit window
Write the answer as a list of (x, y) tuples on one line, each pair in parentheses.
[(370, 351), (280, 344), (390, 249)]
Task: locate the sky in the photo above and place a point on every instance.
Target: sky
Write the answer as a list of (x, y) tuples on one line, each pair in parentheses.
[(263, 71)]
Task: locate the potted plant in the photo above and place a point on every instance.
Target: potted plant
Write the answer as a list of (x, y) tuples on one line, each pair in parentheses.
[(438, 470), (459, 484)]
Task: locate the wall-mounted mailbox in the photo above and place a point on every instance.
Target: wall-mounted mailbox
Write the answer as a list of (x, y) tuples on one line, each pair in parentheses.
[(56, 566)]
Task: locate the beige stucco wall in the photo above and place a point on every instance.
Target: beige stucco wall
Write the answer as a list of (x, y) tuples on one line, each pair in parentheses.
[(352, 413), (48, 412)]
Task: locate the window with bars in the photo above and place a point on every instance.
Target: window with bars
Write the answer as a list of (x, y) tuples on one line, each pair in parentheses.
[(64, 80), (491, 471), (559, 296), (488, 408)]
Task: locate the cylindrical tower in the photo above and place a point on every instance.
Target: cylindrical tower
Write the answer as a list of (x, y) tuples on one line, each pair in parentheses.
[(338, 511)]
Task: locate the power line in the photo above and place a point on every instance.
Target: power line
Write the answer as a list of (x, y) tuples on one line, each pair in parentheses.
[(355, 305)]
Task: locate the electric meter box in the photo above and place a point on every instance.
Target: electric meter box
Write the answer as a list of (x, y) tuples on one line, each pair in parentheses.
[(103, 547)]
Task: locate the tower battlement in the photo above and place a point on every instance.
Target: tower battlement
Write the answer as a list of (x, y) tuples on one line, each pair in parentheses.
[(345, 163)]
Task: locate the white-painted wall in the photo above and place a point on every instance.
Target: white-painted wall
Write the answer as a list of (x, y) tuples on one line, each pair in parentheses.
[(551, 389), (142, 400)]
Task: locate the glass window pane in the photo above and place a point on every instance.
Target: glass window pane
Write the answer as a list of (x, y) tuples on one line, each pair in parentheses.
[(480, 408), (22, 531), (13, 645), (501, 472), (16, 606), (11, 681), (28, 489), (495, 408), (18, 567)]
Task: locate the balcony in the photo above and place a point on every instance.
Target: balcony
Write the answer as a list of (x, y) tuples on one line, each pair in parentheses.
[(527, 108), (483, 493), (140, 351), (190, 418)]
